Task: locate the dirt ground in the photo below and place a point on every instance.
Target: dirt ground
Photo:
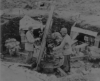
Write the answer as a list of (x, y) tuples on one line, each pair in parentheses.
[(89, 9), (10, 70), (82, 6)]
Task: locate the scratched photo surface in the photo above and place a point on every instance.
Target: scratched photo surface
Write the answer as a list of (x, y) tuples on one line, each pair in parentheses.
[(49, 40)]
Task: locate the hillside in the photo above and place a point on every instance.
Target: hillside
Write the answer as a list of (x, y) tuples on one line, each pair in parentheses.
[(82, 6)]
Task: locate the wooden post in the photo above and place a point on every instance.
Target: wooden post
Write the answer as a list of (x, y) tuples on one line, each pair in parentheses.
[(0, 40), (62, 72), (45, 35), (97, 41)]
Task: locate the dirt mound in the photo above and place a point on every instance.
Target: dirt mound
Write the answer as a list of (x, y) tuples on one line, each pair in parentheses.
[(83, 6)]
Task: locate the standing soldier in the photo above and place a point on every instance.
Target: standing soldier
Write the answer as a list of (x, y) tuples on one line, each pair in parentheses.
[(66, 46), (29, 45)]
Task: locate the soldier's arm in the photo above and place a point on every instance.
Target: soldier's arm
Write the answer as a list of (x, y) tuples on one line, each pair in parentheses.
[(60, 46), (30, 38)]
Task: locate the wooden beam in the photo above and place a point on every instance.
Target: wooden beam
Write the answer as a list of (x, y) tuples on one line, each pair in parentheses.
[(45, 35), (62, 72), (0, 40)]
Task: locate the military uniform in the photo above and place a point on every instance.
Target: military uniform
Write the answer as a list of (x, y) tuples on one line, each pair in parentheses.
[(66, 46)]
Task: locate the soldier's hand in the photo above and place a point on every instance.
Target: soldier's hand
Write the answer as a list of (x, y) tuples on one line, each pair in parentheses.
[(37, 38)]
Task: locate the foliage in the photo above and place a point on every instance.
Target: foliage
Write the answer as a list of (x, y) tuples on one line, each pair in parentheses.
[(10, 30), (12, 45)]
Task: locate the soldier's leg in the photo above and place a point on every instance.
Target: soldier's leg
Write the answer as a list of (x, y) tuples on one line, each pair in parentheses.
[(67, 63), (68, 57), (29, 56)]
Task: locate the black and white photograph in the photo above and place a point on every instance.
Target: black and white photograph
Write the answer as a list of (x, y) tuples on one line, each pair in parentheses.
[(49, 40)]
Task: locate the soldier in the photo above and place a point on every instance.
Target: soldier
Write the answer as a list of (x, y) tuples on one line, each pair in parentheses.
[(57, 37), (29, 45), (66, 46)]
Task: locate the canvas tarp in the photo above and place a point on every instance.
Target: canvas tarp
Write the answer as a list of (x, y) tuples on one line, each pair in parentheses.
[(27, 21), (79, 30)]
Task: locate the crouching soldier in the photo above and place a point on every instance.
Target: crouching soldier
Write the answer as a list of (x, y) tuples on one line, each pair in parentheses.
[(57, 37)]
